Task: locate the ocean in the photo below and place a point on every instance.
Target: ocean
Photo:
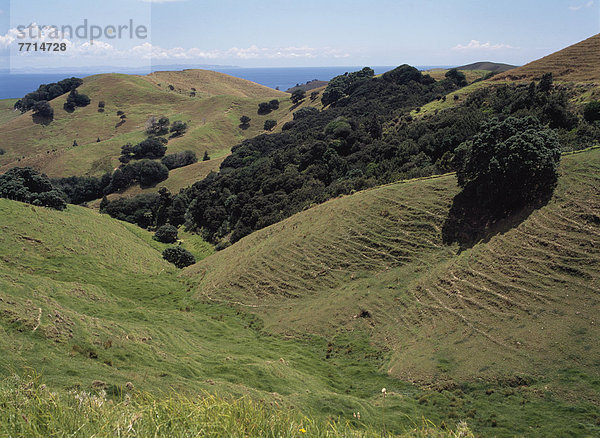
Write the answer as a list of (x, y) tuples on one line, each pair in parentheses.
[(18, 85)]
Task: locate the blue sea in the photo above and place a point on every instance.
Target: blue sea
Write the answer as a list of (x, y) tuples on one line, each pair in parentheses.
[(17, 85)]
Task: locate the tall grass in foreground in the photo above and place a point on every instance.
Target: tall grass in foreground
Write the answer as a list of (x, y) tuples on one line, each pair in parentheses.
[(30, 409)]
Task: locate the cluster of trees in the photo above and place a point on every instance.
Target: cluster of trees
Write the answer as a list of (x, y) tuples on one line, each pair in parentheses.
[(181, 159), (267, 107), (74, 100), (343, 85), (156, 126), (151, 148), (179, 256), (47, 92), (149, 210), (298, 95), (25, 184)]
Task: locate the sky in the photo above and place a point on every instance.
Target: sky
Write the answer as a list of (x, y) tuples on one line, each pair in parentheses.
[(286, 33)]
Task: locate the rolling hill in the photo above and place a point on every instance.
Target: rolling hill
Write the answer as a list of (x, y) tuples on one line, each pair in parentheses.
[(577, 63), (212, 115), (495, 67), (518, 308)]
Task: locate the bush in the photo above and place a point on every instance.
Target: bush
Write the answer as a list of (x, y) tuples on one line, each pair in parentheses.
[(157, 126), (264, 108), (152, 148), (305, 112), (245, 122), (179, 159), (269, 125), (274, 104), (166, 234), (43, 110), (591, 112), (25, 184), (178, 128), (458, 78), (298, 95), (2, 151), (75, 99), (179, 257), (206, 157)]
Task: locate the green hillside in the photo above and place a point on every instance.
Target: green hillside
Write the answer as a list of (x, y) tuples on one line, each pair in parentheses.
[(517, 310), (88, 303), (212, 115)]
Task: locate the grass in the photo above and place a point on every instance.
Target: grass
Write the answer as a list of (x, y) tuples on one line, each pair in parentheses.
[(7, 112), (87, 301), (577, 63), (509, 315), (30, 409)]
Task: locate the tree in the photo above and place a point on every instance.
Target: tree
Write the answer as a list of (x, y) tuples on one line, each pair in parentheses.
[(591, 112), (545, 84), (178, 128), (157, 125), (298, 95), (76, 99), (152, 148), (274, 104), (179, 257), (179, 159), (166, 234), (510, 164), (458, 78), (305, 112), (245, 122), (101, 106), (75, 143), (264, 108), (269, 125), (206, 157), (43, 110), (26, 184)]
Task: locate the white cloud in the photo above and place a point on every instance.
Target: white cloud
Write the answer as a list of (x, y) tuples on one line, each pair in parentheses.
[(586, 5), (148, 51), (478, 45)]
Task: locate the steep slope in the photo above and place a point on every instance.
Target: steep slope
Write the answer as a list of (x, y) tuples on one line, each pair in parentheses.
[(212, 114), (375, 261), (577, 63)]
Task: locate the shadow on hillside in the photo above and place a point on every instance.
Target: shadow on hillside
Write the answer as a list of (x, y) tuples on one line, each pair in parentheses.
[(468, 223)]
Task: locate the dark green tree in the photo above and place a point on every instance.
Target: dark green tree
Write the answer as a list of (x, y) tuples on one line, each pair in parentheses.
[(591, 112), (245, 122), (42, 109), (166, 234), (510, 164), (458, 78), (269, 125), (546, 82), (298, 95), (179, 256), (178, 128), (206, 157)]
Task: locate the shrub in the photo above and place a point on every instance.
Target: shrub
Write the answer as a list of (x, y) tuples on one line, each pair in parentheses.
[(166, 234), (25, 184), (178, 128), (269, 125), (75, 99), (305, 112), (157, 125), (264, 108), (298, 95), (245, 122), (43, 110), (274, 104), (179, 257), (206, 157), (591, 112), (2, 151), (179, 159), (152, 148), (458, 78)]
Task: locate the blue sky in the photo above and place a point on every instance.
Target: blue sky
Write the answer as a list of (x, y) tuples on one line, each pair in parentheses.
[(280, 33)]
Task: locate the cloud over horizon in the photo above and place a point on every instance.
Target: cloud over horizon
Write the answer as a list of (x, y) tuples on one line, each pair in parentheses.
[(478, 45)]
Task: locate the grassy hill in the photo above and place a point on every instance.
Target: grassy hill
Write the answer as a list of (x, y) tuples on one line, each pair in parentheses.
[(494, 67), (88, 303), (518, 309), (212, 115), (577, 63)]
